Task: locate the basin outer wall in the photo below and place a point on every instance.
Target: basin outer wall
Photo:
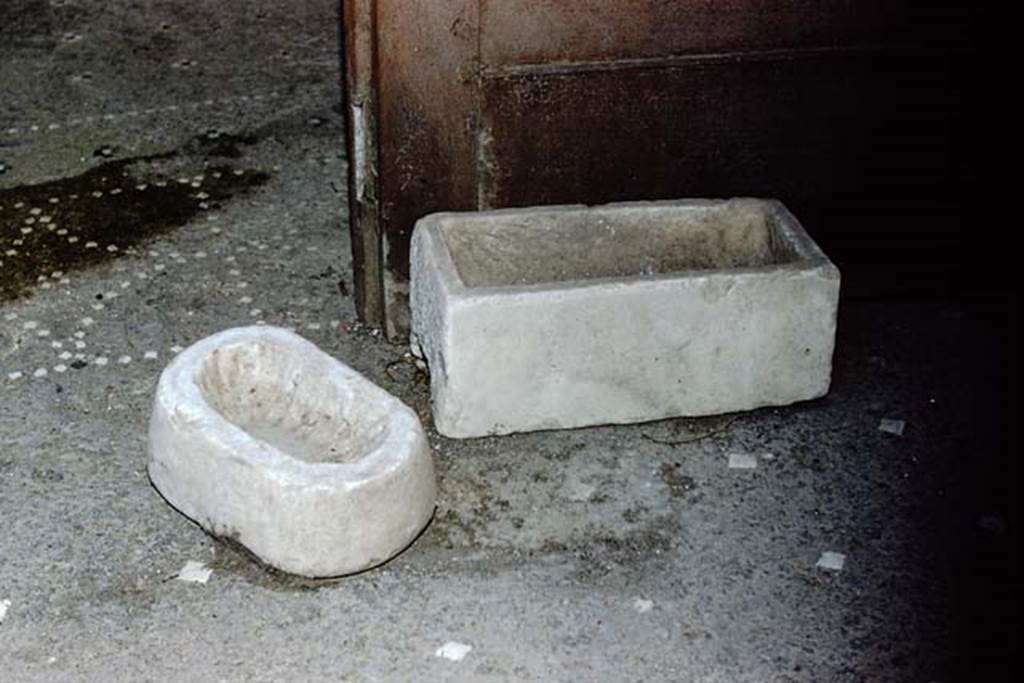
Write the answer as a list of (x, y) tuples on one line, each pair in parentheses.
[(621, 350)]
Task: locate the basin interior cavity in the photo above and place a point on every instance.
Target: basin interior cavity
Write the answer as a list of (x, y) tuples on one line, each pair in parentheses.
[(277, 395), (569, 244)]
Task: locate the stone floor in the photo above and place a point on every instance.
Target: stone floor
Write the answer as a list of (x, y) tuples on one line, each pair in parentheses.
[(172, 168)]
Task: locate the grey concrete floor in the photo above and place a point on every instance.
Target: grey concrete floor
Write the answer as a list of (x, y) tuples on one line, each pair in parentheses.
[(195, 151)]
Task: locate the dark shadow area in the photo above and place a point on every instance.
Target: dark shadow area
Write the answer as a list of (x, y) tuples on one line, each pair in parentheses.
[(82, 221)]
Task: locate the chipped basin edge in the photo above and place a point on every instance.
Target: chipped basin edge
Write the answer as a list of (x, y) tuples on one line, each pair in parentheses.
[(443, 307), (315, 519)]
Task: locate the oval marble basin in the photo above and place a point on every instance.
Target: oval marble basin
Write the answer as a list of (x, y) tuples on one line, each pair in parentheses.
[(259, 436)]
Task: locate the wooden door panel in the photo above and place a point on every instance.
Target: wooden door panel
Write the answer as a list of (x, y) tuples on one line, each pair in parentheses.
[(803, 127), (551, 31), (851, 141), (844, 109)]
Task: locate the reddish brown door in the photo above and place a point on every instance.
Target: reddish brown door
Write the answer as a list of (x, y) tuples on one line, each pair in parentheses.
[(842, 109)]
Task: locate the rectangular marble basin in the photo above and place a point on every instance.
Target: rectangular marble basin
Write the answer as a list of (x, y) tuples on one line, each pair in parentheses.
[(566, 316)]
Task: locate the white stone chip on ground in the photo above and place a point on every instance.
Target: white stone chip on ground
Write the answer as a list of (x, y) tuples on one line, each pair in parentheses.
[(890, 426), (4, 605), (194, 572), (831, 561), (990, 523), (579, 492), (742, 461), (453, 651), (641, 605)]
